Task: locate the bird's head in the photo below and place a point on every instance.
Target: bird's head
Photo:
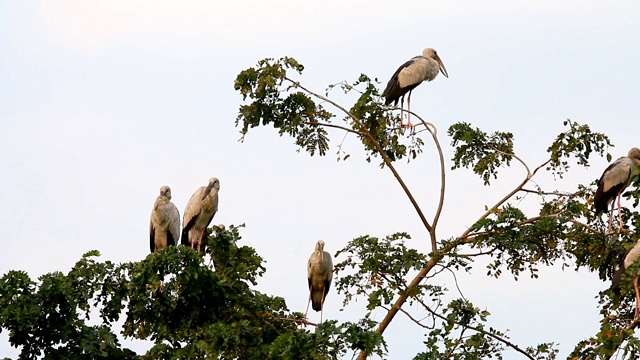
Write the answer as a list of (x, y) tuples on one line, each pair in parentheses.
[(320, 247), (433, 54), (166, 192), (634, 154), (214, 183)]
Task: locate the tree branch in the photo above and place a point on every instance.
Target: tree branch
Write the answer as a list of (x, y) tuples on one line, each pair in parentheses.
[(482, 331), (385, 158)]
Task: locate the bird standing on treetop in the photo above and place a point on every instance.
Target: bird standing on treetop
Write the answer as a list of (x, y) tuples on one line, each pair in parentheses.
[(319, 275), (164, 227), (199, 212), (632, 255), (421, 68), (614, 180)]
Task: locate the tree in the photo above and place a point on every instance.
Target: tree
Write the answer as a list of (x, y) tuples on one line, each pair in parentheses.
[(191, 310), (378, 268)]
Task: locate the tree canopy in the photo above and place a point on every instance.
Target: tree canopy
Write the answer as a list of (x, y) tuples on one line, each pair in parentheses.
[(193, 306)]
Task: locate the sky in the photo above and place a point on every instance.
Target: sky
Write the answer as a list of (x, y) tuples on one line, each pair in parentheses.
[(102, 103)]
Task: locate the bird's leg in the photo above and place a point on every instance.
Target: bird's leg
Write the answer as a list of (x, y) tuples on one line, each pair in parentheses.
[(200, 241), (402, 111), (409, 110), (609, 232), (635, 287), (619, 215), (308, 302), (322, 304), (191, 237)]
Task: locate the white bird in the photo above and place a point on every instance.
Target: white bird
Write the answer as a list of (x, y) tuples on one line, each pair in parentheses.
[(164, 227), (614, 180), (319, 275), (421, 68), (629, 258), (199, 212)]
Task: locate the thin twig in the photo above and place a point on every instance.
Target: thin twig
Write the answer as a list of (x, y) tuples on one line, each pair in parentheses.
[(482, 331), (540, 192)]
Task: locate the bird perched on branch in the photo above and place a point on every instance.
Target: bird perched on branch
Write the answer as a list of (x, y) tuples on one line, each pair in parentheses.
[(199, 212), (629, 258), (164, 227), (412, 73), (319, 275), (614, 180)]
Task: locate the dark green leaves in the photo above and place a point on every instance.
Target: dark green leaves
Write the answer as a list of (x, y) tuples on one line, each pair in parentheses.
[(480, 151), (275, 99), (275, 103), (188, 305), (579, 141)]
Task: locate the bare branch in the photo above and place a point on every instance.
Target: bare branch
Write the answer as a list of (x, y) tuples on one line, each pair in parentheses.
[(349, 130), (554, 193), (385, 158), (517, 158)]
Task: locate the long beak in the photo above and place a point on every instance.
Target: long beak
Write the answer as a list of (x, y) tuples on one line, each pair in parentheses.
[(443, 70), (207, 191)]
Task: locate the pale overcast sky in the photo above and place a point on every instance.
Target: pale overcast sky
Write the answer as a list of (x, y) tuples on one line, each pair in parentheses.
[(101, 103)]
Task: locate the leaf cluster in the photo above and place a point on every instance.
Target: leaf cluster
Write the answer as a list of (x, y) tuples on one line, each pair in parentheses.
[(186, 308)]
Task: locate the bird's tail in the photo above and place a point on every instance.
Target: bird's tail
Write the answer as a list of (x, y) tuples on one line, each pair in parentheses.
[(617, 276), (316, 300), (184, 239)]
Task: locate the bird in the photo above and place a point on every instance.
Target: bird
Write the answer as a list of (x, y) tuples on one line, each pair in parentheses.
[(412, 73), (199, 212), (614, 180), (164, 227), (319, 275), (629, 258)]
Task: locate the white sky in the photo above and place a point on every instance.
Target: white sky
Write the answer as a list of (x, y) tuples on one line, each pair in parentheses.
[(101, 103)]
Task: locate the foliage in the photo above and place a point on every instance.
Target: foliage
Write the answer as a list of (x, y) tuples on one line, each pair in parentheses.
[(173, 299)]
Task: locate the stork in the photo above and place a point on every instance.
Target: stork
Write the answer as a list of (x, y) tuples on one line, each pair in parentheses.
[(319, 275), (164, 227), (412, 73), (199, 212), (614, 180), (632, 255)]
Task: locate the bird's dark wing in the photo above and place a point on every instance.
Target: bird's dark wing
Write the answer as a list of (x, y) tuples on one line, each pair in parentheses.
[(170, 240), (327, 285), (152, 238), (394, 92), (184, 239), (617, 276)]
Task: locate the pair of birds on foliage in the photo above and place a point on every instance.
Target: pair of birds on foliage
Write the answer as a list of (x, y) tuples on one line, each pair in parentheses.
[(165, 226)]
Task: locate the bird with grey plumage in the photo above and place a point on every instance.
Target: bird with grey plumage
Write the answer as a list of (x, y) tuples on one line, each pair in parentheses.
[(614, 180), (164, 227), (629, 258), (319, 275), (409, 75), (199, 212)]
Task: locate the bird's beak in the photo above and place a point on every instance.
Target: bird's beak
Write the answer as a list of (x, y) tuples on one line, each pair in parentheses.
[(443, 69), (207, 191)]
